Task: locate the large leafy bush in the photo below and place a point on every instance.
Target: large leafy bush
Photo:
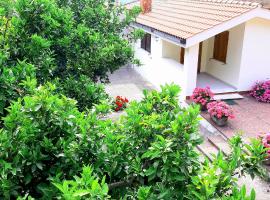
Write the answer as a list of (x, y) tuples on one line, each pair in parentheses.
[(44, 135), (84, 90), (149, 154), (67, 37), (15, 82)]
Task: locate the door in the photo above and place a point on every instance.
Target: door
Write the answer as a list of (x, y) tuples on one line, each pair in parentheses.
[(182, 55), (200, 58)]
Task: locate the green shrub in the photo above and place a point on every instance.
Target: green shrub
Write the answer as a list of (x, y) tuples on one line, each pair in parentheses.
[(15, 82), (150, 153), (85, 187), (44, 136), (82, 37), (36, 33), (84, 91)]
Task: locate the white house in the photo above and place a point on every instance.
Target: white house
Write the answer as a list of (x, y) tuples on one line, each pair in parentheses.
[(224, 44)]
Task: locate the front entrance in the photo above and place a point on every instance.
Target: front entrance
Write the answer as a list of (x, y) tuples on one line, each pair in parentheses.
[(217, 86)]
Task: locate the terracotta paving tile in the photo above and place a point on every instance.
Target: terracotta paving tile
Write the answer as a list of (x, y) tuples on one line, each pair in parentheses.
[(252, 118)]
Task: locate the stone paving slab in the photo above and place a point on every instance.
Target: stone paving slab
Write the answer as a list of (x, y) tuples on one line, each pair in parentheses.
[(128, 83), (261, 187), (130, 91)]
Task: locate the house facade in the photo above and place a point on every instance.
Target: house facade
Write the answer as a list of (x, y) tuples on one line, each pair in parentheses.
[(197, 43)]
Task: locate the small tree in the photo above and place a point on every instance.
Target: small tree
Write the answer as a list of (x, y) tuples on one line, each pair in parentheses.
[(67, 37)]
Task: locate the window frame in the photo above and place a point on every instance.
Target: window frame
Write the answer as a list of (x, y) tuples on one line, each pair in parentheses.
[(146, 42), (221, 42)]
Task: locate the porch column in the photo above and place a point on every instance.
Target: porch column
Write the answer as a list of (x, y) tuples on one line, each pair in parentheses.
[(190, 69)]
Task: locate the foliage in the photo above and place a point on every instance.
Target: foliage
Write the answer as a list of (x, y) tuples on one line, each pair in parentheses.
[(85, 187), (35, 34), (220, 109), (261, 91), (202, 95), (150, 153), (83, 90), (44, 136), (240, 194), (220, 177), (15, 82), (60, 38), (120, 103)]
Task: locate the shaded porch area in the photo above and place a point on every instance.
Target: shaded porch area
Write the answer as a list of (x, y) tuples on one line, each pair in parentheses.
[(217, 86)]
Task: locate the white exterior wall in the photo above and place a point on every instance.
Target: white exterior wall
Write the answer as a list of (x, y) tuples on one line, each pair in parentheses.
[(256, 53), (248, 59), (156, 47), (170, 50), (227, 72), (157, 69)]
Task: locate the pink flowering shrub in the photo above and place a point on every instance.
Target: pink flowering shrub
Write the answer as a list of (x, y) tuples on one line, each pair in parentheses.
[(202, 95), (220, 109), (266, 142), (261, 91)]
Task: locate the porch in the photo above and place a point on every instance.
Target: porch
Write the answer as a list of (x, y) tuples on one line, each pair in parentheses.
[(160, 69), (217, 86)]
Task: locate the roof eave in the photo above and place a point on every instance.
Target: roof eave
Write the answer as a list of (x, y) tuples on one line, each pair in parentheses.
[(195, 39), (172, 38), (188, 42)]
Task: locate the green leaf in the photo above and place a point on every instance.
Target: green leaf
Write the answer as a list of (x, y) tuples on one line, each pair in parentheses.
[(81, 193)]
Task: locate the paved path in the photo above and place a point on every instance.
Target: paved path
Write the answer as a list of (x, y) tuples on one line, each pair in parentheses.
[(128, 83), (252, 118)]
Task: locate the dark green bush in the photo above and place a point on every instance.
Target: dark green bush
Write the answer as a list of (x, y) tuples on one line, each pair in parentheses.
[(82, 37), (15, 82), (149, 154), (36, 33), (44, 136), (84, 91)]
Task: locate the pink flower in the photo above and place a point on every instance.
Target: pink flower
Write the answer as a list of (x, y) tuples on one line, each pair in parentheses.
[(266, 140), (202, 95), (266, 143), (220, 109), (261, 91)]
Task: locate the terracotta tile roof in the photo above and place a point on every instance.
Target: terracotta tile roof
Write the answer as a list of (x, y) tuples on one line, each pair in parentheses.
[(186, 18)]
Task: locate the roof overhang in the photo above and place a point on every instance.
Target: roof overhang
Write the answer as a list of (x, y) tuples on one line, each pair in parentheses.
[(257, 12), (168, 37), (204, 35)]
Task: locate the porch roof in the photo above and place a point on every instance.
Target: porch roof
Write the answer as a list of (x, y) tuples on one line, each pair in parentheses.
[(186, 18)]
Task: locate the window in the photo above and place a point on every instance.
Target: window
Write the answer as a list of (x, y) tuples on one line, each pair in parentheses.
[(146, 42), (221, 46)]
